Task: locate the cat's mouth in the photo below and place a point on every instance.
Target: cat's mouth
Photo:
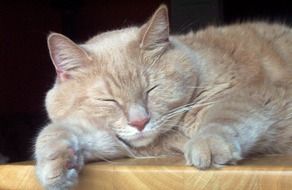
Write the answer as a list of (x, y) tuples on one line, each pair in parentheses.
[(123, 141), (137, 140)]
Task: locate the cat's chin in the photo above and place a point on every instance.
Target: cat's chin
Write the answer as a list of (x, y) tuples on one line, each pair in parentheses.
[(140, 140)]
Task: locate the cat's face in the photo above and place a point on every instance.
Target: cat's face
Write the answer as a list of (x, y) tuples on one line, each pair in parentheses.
[(133, 79)]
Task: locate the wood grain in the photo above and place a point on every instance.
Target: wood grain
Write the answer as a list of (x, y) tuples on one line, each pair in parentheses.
[(271, 173)]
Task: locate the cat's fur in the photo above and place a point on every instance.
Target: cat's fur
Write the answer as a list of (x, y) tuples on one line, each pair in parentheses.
[(215, 96)]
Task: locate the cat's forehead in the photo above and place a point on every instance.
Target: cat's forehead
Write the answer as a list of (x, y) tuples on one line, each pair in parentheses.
[(113, 52), (116, 60), (113, 42)]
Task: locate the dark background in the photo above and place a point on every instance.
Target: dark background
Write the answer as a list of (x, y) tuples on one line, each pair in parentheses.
[(26, 72)]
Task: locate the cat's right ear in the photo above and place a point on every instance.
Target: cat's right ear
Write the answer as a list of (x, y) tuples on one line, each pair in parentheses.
[(66, 55)]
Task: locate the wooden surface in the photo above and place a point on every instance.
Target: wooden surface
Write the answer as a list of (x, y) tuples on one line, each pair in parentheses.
[(271, 173)]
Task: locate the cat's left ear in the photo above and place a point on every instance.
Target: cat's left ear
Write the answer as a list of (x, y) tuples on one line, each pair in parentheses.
[(155, 33)]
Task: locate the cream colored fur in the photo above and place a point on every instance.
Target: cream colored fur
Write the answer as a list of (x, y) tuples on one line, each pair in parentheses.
[(216, 96)]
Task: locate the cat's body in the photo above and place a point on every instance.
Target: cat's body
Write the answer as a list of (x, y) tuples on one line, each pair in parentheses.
[(215, 96)]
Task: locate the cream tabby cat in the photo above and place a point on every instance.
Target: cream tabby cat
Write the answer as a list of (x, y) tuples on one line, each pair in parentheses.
[(216, 96)]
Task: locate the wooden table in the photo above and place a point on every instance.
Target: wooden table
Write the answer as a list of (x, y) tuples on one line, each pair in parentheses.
[(271, 173)]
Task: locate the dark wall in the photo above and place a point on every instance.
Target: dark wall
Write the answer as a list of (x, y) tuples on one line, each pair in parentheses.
[(280, 10), (26, 72)]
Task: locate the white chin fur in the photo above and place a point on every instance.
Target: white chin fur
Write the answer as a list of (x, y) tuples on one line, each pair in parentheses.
[(140, 141)]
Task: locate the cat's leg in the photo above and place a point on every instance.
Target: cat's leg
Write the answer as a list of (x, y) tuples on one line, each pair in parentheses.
[(229, 130), (60, 153)]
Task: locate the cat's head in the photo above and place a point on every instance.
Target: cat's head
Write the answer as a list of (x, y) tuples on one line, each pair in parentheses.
[(133, 78)]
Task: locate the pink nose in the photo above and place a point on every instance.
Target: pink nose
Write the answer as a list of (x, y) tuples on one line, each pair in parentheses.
[(140, 123)]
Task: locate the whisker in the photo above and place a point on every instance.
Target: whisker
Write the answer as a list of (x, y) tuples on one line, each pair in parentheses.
[(187, 107), (126, 148), (202, 99), (180, 110)]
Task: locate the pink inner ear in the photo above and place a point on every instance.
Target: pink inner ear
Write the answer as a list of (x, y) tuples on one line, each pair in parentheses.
[(62, 75), (57, 59)]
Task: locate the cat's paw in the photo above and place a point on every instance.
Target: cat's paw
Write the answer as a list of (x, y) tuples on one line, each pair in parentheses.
[(60, 171), (211, 151), (58, 162)]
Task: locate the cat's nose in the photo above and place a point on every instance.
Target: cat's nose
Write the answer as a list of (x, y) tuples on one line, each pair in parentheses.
[(140, 123)]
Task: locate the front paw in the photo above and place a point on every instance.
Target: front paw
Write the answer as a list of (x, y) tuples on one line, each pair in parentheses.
[(60, 171), (211, 151), (59, 161)]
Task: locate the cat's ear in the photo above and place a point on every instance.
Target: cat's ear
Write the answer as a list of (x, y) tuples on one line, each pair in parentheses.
[(155, 33), (66, 55)]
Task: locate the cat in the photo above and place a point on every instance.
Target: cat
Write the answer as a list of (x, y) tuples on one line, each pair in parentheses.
[(215, 96)]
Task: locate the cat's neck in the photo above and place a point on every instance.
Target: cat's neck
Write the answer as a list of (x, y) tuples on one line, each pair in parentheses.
[(204, 59), (193, 56), (192, 50)]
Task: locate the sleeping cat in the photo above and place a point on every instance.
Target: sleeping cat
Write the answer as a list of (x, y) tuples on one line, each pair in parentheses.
[(215, 96)]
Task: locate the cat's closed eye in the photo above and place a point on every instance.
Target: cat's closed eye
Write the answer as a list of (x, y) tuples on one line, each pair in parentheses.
[(107, 100), (151, 89)]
